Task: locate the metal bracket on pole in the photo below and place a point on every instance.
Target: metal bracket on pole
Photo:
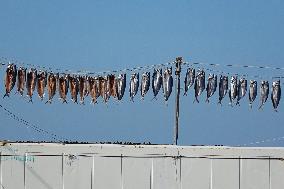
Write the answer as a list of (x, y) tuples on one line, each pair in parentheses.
[(177, 73)]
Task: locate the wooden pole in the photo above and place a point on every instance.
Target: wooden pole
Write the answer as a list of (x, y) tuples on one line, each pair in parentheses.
[(177, 73)]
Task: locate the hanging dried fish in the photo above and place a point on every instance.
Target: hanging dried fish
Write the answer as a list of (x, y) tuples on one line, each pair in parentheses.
[(223, 88), (83, 88), (199, 85), (145, 84), (233, 91), (51, 86), (94, 88), (120, 85), (134, 85), (252, 92), (21, 80), (167, 83), (189, 79), (211, 86), (41, 83), (74, 88), (103, 88), (276, 94), (264, 92), (63, 85), (31, 82), (242, 89), (112, 86), (157, 81), (10, 79)]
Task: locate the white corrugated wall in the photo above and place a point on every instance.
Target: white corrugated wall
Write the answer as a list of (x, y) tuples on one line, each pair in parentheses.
[(90, 166)]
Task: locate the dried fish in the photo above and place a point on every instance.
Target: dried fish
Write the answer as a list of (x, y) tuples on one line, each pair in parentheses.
[(31, 82), (112, 86), (10, 79), (276, 94), (242, 89), (41, 83), (145, 84), (233, 91), (252, 92), (94, 88), (157, 81), (223, 87), (63, 85), (189, 79), (264, 92), (21, 80), (83, 88), (167, 83), (74, 88), (51, 86), (120, 85), (134, 85), (103, 88), (211, 86), (199, 85)]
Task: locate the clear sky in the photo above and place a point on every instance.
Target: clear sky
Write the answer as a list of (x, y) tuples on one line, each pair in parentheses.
[(112, 35)]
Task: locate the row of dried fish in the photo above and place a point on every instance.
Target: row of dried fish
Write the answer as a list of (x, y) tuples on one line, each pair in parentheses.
[(82, 86), (236, 89)]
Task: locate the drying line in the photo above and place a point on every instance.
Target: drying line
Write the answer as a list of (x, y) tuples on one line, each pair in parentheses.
[(32, 126)]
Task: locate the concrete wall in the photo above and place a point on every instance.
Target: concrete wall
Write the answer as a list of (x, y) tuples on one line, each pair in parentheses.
[(90, 166)]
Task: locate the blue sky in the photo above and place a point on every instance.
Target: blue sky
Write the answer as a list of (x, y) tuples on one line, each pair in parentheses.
[(112, 35)]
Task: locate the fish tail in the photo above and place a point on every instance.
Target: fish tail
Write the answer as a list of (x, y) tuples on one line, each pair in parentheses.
[(238, 103), (64, 101), (250, 105), (275, 110), (49, 102), (260, 107), (6, 94), (31, 100), (185, 93), (207, 100)]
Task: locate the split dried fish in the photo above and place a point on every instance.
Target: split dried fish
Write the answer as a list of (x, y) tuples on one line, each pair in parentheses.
[(74, 88), (189, 79), (134, 85), (264, 92), (63, 85), (199, 85), (233, 91), (120, 85), (83, 88), (223, 87), (94, 88), (252, 92), (157, 81), (51, 86), (145, 84), (10, 79), (167, 83), (211, 86), (276, 94), (41, 83), (21, 80), (242, 89), (31, 82)]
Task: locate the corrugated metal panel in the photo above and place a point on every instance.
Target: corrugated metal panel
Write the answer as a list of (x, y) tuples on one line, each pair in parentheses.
[(36, 166)]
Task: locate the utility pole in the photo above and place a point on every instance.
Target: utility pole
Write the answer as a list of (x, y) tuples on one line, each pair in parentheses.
[(177, 73)]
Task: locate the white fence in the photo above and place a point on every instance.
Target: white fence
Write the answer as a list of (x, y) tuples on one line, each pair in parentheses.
[(90, 166)]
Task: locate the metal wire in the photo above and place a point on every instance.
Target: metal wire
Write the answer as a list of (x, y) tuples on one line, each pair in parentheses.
[(5, 61), (32, 126)]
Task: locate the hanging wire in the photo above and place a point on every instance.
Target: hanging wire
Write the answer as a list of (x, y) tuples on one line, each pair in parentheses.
[(84, 72), (229, 73), (237, 65), (32, 126)]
